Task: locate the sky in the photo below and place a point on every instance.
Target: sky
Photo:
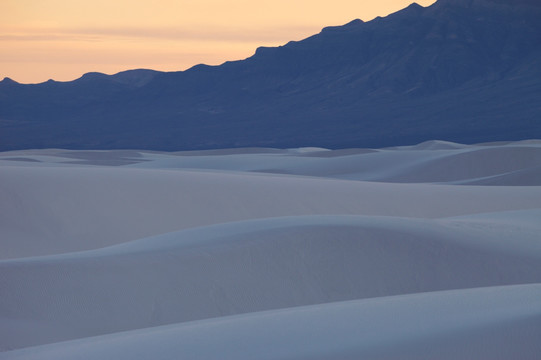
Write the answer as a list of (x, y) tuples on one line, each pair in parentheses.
[(63, 39)]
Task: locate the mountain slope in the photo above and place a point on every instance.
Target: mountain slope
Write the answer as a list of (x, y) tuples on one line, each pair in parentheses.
[(459, 70)]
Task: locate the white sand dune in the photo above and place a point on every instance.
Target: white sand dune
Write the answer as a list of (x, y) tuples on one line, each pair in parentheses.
[(513, 163), (251, 266), (489, 323), (465, 166), (251, 253), (48, 210)]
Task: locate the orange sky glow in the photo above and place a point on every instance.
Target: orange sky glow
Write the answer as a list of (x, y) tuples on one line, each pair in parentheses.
[(63, 39)]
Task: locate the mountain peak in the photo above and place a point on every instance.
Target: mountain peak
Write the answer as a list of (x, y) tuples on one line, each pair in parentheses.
[(350, 25), (7, 80), (414, 6), (92, 76), (135, 78), (413, 9)]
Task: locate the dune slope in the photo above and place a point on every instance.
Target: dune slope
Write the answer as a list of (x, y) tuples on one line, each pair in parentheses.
[(487, 323)]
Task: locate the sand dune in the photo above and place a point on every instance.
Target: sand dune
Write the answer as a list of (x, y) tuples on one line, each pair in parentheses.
[(251, 266), (285, 253), (53, 206), (489, 323), (54, 210), (432, 162)]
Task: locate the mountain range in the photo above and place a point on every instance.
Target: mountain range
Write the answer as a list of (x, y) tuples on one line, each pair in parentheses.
[(466, 71)]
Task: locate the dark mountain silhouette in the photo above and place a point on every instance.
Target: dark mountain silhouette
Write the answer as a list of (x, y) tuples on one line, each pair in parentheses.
[(459, 70)]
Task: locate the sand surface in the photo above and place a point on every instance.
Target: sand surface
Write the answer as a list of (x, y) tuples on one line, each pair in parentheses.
[(419, 252)]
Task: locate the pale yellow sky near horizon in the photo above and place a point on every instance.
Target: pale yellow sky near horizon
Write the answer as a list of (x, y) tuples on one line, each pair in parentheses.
[(63, 39)]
